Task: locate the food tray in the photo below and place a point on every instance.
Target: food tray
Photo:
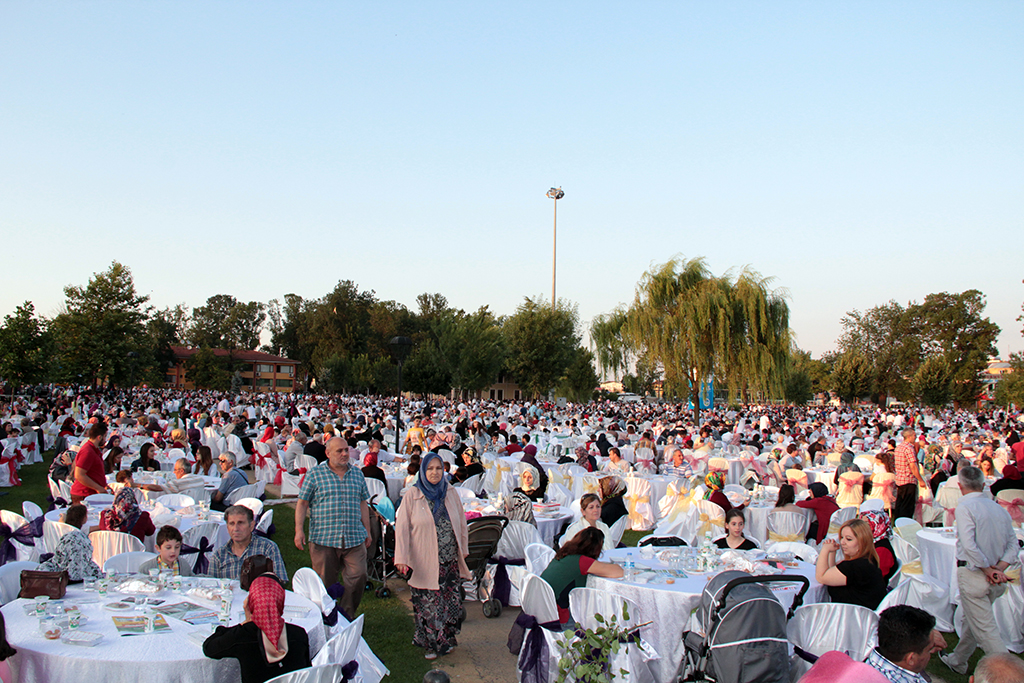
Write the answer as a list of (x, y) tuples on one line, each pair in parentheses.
[(83, 638)]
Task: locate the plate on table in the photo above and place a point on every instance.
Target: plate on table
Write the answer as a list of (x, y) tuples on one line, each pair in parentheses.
[(118, 606)]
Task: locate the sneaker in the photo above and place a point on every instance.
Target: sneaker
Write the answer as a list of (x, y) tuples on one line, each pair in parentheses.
[(947, 660), (431, 655)]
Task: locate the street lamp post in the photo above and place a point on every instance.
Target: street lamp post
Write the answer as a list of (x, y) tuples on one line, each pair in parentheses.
[(556, 194), (400, 348)]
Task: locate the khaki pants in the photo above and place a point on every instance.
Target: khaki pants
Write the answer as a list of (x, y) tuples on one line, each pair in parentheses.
[(979, 629), (351, 563)]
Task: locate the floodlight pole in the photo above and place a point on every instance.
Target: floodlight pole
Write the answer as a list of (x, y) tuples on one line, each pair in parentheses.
[(556, 194)]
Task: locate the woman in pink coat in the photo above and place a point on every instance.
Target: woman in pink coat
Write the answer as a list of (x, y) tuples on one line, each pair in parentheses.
[(431, 539)]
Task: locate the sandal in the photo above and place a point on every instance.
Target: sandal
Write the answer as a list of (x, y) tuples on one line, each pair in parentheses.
[(431, 655)]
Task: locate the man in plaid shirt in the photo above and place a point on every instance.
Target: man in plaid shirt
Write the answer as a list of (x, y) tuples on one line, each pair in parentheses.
[(908, 477), (335, 497)]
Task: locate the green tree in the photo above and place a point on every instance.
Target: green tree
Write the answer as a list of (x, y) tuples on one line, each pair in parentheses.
[(701, 328), (206, 370), (805, 377), (886, 338), (541, 344), (226, 323), (580, 380), (610, 348), (851, 377), (26, 347), (933, 382), (641, 381), (100, 324), (1010, 388)]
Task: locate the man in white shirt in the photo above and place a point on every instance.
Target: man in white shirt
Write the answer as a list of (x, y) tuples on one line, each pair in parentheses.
[(183, 480)]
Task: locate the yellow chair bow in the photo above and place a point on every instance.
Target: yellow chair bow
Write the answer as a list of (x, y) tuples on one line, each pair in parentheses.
[(775, 537), (913, 567), (636, 520), (707, 521)]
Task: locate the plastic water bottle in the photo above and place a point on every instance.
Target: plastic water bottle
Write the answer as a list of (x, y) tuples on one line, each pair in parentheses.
[(629, 566)]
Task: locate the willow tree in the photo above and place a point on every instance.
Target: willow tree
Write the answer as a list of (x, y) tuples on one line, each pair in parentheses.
[(700, 328), (610, 348)]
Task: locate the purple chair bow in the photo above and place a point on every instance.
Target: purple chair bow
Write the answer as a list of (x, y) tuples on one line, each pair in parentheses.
[(202, 564), (527, 640), (502, 584), (349, 671), (25, 534)]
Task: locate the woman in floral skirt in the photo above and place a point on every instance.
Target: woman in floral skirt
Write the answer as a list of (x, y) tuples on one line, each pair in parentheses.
[(432, 541)]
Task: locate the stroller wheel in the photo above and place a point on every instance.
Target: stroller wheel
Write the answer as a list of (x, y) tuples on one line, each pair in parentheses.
[(462, 616), (383, 592), (368, 586), (492, 609)]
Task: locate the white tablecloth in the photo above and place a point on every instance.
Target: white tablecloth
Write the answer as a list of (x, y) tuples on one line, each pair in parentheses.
[(156, 658), (824, 475), (669, 606), (938, 557), (550, 526)]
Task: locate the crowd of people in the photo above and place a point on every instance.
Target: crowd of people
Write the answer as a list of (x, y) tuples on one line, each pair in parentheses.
[(919, 448)]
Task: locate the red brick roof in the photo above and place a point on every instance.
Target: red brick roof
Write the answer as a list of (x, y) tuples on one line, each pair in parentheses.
[(252, 356)]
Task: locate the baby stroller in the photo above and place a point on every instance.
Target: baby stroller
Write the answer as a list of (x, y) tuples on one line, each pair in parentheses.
[(380, 559), (745, 627), (484, 534)]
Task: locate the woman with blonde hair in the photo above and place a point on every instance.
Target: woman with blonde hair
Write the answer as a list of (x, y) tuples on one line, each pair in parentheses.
[(856, 580)]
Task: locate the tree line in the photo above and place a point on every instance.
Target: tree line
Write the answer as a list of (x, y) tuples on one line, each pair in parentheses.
[(107, 333)]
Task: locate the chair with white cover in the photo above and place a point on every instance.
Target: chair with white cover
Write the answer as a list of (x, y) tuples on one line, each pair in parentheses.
[(539, 603), (56, 493), (10, 579), (342, 647), (511, 548), (907, 529), (176, 501), (100, 500), (638, 504), (1013, 502), (897, 596), (31, 510), (925, 591), (127, 563), (464, 493), (474, 483), (538, 557), (784, 525), (797, 479), (25, 553), (53, 532), (712, 519), (839, 518), (264, 462), (307, 583), (851, 489), (813, 629), (678, 513), (801, 550), (883, 488), (291, 483), (106, 544), (584, 606), (194, 537), (947, 497), (9, 463), (378, 491), (616, 530), (876, 504), (557, 493), (328, 673), (254, 504), (645, 460), (247, 491)]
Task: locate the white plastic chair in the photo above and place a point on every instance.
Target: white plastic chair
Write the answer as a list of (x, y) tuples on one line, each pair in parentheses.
[(801, 550), (265, 521), (247, 491), (875, 504), (176, 501), (616, 530), (813, 629), (127, 563), (106, 544), (208, 530), (100, 500), (538, 557), (785, 525), (584, 606), (31, 510), (328, 673), (10, 580), (254, 504), (343, 647), (539, 602)]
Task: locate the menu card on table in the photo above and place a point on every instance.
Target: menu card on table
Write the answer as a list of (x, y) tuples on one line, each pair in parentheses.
[(136, 626), (189, 612)]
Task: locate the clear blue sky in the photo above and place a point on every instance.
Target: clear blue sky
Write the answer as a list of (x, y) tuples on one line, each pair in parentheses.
[(857, 152)]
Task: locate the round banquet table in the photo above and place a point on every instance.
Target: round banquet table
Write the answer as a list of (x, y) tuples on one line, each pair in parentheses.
[(550, 526), (938, 557), (824, 475), (166, 657), (669, 606), (182, 522)]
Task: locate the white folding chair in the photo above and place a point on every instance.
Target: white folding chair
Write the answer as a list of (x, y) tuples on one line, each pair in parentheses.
[(176, 501), (539, 602), (106, 544), (813, 629), (193, 537), (538, 557), (328, 673), (127, 563), (10, 580), (342, 647), (254, 504)]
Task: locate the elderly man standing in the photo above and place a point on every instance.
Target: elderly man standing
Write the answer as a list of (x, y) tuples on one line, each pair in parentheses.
[(335, 496), (908, 476), (985, 547)]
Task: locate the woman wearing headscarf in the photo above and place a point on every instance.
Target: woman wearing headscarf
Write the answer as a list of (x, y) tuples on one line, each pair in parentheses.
[(264, 645), (823, 505), (471, 465), (612, 504), (530, 458), (881, 533), (371, 470), (715, 482), (431, 541), (585, 460), (126, 516), (1010, 481), (603, 444), (845, 465), (520, 505)]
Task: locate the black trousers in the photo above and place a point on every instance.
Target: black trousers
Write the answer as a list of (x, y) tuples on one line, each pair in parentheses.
[(906, 501)]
